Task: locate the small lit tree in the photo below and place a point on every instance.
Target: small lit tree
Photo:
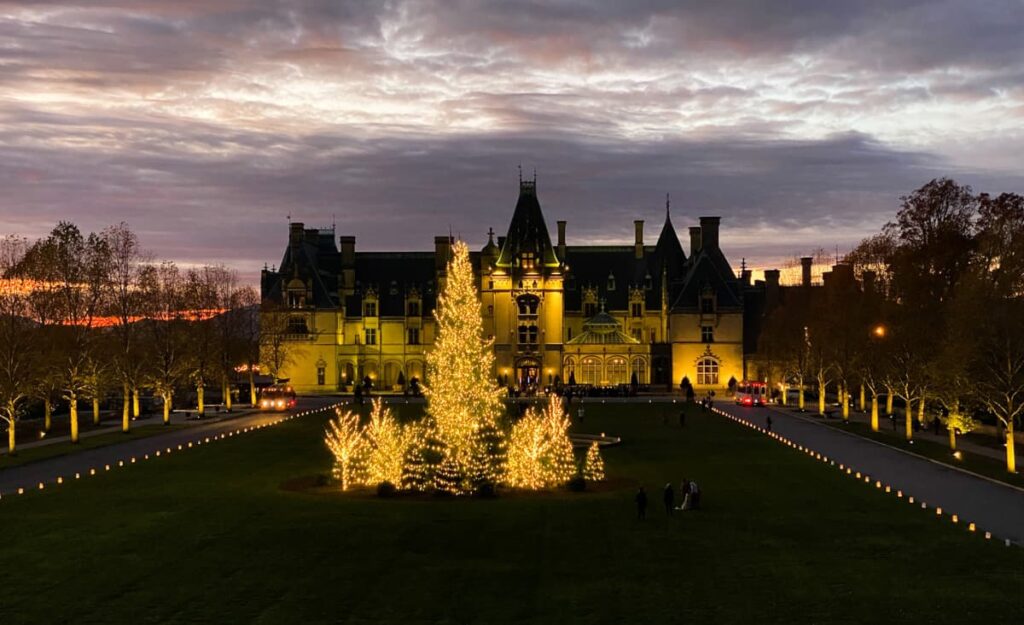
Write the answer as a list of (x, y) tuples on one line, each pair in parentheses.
[(958, 421), (539, 451), (593, 466), (345, 440), (389, 446)]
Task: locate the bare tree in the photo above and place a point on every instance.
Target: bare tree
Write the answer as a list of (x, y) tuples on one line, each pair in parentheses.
[(199, 305), (18, 357), (164, 330), (124, 303), (248, 304), (276, 346)]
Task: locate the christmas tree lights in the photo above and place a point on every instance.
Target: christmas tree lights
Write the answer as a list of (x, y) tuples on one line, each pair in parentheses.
[(388, 445), (464, 402), (593, 466), (345, 440), (539, 451)]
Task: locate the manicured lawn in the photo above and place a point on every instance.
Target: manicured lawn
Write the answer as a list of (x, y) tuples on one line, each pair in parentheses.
[(209, 536)]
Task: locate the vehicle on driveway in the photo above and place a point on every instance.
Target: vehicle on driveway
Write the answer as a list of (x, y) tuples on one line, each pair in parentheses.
[(278, 398), (752, 393)]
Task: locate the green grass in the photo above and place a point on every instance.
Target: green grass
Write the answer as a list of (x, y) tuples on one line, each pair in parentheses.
[(982, 465), (42, 452), (209, 536)]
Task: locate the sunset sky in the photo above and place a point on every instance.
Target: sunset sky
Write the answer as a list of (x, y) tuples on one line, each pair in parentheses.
[(205, 123)]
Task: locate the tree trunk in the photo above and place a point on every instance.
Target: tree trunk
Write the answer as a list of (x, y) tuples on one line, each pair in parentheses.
[(908, 413), (1011, 453), (200, 405), (874, 412), (844, 393), (126, 414), (10, 433), (952, 436), (73, 416), (167, 408), (96, 409), (821, 399), (888, 403), (802, 402), (227, 395), (135, 403), (47, 414), (863, 398), (920, 410), (252, 386)]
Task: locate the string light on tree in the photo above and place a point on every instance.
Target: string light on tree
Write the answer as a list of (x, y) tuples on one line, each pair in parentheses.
[(593, 466), (345, 440)]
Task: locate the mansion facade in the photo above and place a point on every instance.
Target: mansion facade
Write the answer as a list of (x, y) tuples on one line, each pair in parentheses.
[(600, 315)]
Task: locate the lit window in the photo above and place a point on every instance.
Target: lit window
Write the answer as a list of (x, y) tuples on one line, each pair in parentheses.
[(371, 336), (370, 309), (639, 369), (297, 325), (707, 371), (707, 334), (591, 369), (321, 375)]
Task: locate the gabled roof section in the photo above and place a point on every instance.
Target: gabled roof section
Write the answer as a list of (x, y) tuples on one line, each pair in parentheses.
[(527, 232), (709, 269), (602, 329)]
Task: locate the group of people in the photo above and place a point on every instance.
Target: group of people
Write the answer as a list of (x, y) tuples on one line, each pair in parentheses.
[(689, 494)]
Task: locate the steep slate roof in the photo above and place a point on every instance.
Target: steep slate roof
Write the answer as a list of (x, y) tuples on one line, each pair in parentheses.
[(314, 257), (393, 275), (709, 268), (527, 232)]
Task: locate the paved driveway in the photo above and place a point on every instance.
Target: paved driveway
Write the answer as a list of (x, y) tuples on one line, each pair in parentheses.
[(992, 506), (29, 476)]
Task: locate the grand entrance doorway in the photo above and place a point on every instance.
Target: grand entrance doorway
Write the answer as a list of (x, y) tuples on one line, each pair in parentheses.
[(527, 374)]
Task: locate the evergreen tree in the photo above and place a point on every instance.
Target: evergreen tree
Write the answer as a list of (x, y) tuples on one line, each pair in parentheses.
[(464, 404)]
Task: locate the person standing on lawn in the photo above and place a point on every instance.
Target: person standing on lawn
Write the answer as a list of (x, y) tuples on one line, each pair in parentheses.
[(669, 497), (641, 504)]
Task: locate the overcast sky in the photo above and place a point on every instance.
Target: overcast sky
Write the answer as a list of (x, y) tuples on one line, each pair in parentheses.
[(205, 123)]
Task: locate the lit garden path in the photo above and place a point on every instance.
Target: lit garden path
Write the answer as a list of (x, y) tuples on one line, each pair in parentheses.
[(994, 507), (29, 476)]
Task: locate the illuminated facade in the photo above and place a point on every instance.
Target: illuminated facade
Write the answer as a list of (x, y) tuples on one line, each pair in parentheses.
[(597, 315)]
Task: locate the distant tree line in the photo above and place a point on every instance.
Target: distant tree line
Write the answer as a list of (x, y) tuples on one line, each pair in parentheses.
[(87, 317), (938, 324)]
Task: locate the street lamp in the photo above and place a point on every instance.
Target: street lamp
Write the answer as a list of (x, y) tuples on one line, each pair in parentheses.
[(879, 331)]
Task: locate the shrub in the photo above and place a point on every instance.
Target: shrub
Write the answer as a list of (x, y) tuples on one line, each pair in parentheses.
[(577, 484), (485, 491), (386, 489)]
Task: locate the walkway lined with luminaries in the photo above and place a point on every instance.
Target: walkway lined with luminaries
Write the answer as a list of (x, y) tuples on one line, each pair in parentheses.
[(89, 462), (976, 503)]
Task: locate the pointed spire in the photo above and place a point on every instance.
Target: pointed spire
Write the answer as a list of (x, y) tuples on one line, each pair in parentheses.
[(668, 204)]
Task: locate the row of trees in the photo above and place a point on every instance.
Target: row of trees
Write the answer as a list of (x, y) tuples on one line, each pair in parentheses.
[(930, 313), (84, 317)]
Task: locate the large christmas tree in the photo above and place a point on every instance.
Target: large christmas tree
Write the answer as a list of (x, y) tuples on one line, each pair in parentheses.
[(464, 402)]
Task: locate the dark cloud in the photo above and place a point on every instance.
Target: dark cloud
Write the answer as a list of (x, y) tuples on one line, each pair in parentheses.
[(204, 123)]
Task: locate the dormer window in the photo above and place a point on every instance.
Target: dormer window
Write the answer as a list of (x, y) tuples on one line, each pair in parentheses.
[(707, 303), (528, 261), (413, 309), (611, 282), (369, 309), (648, 282), (296, 300)]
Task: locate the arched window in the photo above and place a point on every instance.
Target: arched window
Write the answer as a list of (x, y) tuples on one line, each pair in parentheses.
[(707, 371), (617, 373), (639, 367), (591, 367)]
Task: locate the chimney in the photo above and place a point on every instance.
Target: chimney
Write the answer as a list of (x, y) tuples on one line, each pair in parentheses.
[(745, 277), (347, 247), (805, 266), (771, 288), (694, 241), (561, 241), (295, 233), (709, 232), (638, 244), (442, 250)]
